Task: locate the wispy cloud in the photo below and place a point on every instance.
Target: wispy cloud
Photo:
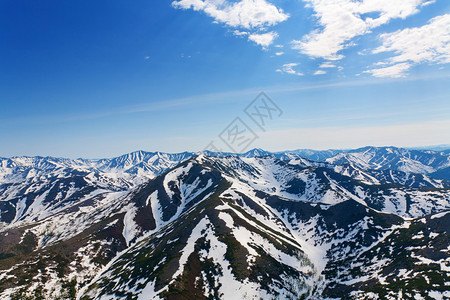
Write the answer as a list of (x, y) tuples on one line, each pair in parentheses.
[(343, 20), (395, 71), (210, 99), (256, 16), (246, 13), (327, 65), (263, 39), (339, 24), (240, 33), (320, 72), (289, 69), (427, 44)]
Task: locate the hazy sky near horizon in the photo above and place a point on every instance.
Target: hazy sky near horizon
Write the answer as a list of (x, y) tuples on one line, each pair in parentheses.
[(98, 79)]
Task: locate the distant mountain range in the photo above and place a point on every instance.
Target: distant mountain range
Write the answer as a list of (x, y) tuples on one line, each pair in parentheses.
[(366, 223), (150, 164)]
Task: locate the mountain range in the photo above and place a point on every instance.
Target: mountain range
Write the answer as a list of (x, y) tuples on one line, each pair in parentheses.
[(368, 223)]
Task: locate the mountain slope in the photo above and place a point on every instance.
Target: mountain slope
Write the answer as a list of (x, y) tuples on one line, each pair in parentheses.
[(391, 158), (234, 244), (220, 227), (411, 262), (245, 242)]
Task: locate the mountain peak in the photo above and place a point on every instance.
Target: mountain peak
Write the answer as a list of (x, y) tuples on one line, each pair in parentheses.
[(256, 152)]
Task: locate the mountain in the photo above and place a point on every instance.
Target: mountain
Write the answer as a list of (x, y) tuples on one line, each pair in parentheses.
[(391, 158), (316, 155), (431, 163), (141, 165), (437, 148), (140, 162), (31, 188), (228, 227), (128, 167)]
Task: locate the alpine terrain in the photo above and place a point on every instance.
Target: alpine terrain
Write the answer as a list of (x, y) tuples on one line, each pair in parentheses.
[(368, 223)]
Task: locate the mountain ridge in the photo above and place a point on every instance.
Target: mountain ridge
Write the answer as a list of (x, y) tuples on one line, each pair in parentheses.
[(222, 227)]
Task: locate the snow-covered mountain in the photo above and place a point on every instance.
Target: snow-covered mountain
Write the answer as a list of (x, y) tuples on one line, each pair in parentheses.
[(128, 167), (434, 164), (193, 226), (140, 164), (391, 158)]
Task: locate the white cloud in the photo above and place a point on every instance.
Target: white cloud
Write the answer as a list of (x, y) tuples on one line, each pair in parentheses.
[(395, 71), (245, 13), (342, 20), (240, 33), (427, 44), (327, 65), (263, 39), (320, 72), (279, 53), (289, 69)]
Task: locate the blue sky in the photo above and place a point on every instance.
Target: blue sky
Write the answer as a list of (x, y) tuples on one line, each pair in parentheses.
[(99, 79)]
